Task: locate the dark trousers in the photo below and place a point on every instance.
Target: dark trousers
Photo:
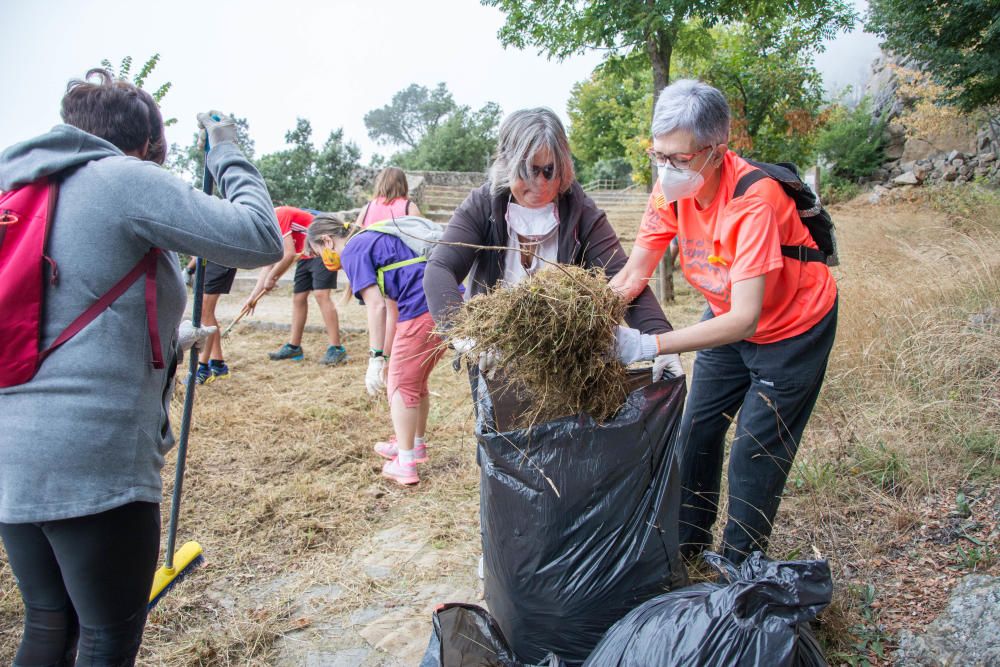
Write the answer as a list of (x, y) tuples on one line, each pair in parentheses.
[(774, 387), (85, 583)]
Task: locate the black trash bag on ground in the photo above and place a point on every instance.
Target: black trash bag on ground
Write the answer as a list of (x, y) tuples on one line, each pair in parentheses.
[(579, 520), (761, 617), (467, 636)]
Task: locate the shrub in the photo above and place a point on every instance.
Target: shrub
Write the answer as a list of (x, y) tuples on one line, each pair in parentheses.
[(851, 143)]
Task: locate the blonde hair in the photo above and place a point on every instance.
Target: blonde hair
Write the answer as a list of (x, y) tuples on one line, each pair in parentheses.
[(391, 184)]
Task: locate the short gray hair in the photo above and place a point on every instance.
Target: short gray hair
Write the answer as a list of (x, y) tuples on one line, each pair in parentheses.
[(692, 106), (522, 134)]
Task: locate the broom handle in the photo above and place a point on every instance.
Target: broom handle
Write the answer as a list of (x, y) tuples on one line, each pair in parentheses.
[(199, 290)]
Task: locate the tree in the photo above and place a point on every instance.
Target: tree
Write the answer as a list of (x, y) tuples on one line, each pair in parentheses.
[(305, 177), (438, 133), (609, 120), (774, 91), (413, 112), (463, 142), (957, 40), (560, 28)]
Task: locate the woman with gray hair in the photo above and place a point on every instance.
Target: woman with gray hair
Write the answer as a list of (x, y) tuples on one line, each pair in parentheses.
[(765, 339), (534, 209)]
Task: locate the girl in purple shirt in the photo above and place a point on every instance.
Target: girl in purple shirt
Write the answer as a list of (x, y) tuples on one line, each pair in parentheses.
[(388, 277)]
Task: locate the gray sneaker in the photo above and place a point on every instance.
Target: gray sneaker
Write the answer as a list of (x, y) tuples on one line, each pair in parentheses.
[(335, 354)]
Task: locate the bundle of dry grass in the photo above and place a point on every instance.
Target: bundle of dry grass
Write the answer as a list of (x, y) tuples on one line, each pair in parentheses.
[(554, 333)]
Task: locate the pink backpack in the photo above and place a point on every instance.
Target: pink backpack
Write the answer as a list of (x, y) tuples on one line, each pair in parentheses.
[(25, 219)]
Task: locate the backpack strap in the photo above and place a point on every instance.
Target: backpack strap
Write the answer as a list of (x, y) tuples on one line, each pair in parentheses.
[(147, 266), (799, 252), (407, 210), (380, 272)]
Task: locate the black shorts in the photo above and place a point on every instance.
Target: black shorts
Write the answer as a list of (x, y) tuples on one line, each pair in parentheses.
[(218, 279), (310, 274)]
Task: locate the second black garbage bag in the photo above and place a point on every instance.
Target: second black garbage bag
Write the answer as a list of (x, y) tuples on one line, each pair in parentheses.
[(579, 520)]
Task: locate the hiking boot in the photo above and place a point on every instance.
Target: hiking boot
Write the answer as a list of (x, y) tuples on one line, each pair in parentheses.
[(220, 371), (287, 351), (387, 449), (399, 473), (335, 354), (203, 374)]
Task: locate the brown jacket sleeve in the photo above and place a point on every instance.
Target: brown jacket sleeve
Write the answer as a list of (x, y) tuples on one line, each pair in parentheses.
[(601, 247), (449, 265)]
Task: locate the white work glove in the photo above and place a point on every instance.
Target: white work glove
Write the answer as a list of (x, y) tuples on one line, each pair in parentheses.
[(667, 366), (632, 346), (375, 376), (218, 131), (189, 336), (488, 359)]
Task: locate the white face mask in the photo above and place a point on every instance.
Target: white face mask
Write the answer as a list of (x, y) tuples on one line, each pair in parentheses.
[(533, 223), (680, 183)]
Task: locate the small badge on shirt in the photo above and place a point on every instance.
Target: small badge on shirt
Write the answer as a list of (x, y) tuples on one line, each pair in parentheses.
[(661, 201)]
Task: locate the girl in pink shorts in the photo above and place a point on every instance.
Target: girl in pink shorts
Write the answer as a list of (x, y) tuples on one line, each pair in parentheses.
[(388, 276)]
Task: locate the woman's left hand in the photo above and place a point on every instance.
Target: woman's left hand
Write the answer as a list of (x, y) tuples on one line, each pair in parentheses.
[(189, 336)]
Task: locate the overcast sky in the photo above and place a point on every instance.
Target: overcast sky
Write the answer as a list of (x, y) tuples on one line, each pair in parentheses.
[(328, 61)]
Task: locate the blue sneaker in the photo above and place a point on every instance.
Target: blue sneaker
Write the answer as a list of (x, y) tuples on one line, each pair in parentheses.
[(219, 369), (287, 351), (203, 374), (335, 354)]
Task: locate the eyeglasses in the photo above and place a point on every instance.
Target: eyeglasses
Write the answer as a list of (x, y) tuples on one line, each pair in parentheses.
[(676, 160), (548, 171)]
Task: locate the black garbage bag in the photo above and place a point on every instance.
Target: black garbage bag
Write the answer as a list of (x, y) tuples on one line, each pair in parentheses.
[(467, 636), (761, 617), (579, 520)]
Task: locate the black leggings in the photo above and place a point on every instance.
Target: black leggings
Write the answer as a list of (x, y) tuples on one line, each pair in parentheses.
[(85, 583)]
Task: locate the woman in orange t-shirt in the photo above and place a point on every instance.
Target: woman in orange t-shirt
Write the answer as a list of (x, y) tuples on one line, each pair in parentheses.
[(765, 339)]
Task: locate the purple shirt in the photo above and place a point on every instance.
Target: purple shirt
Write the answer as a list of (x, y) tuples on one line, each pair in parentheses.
[(367, 251)]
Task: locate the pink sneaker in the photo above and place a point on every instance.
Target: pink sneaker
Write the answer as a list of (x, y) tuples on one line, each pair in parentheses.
[(387, 449), (399, 473)]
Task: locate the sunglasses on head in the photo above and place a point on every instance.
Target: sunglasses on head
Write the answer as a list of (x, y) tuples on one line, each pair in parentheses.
[(547, 171)]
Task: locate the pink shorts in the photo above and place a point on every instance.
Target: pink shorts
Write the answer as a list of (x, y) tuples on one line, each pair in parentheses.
[(415, 352)]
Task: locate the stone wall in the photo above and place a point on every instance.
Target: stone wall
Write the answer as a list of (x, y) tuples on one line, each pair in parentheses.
[(949, 157)]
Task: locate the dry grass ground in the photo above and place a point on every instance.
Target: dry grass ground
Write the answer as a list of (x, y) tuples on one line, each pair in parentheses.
[(896, 481)]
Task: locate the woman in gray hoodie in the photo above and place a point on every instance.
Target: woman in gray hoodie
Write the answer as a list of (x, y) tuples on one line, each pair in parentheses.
[(83, 441)]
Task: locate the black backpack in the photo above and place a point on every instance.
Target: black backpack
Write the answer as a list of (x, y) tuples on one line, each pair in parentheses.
[(811, 211)]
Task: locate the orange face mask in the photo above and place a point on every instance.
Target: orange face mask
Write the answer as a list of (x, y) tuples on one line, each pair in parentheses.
[(331, 259)]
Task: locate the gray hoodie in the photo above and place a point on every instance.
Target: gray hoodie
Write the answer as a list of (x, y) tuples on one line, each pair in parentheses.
[(88, 433)]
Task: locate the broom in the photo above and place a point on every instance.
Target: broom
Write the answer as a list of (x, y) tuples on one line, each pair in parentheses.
[(188, 557)]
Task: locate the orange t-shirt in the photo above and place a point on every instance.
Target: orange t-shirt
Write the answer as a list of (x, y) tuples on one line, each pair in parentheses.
[(738, 239), (296, 222)]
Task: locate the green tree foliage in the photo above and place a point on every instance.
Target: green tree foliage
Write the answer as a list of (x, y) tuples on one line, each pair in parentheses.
[(766, 74), (413, 112), (958, 41), (463, 142), (125, 69), (609, 120), (850, 144), (306, 177), (655, 28), (774, 91), (437, 133)]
